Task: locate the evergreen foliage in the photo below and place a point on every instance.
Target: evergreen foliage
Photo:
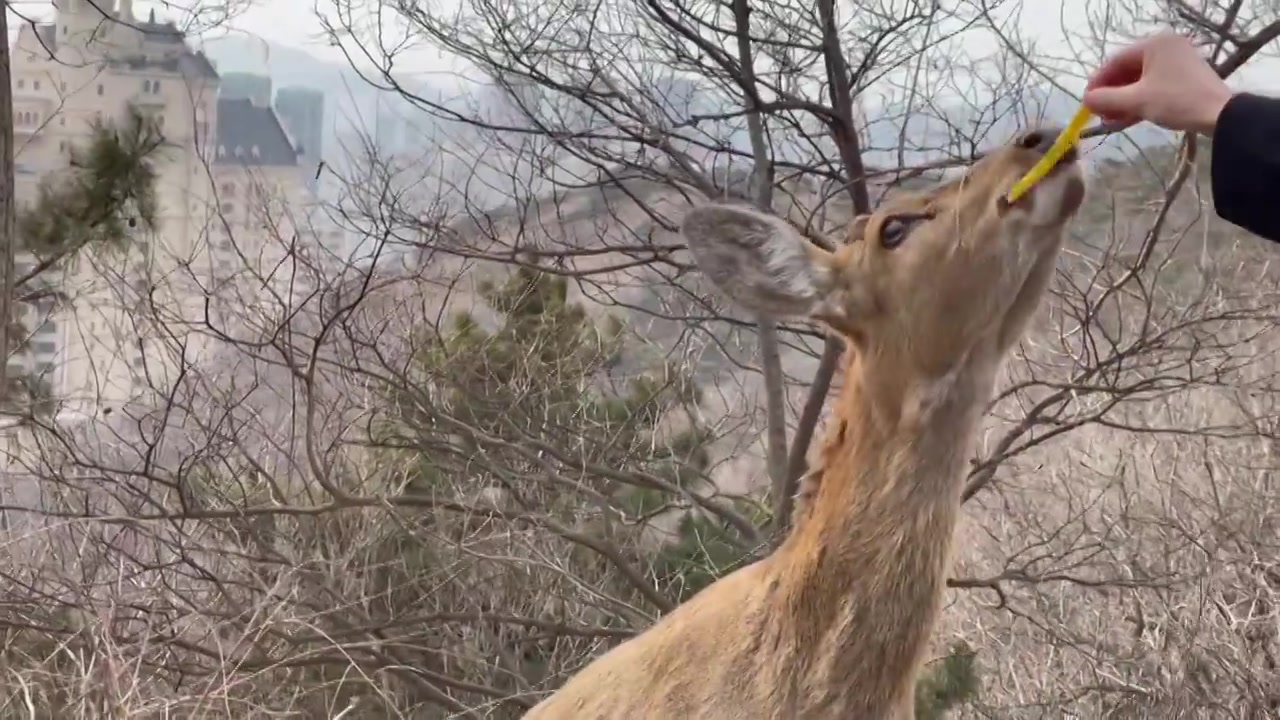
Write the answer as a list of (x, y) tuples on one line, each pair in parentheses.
[(548, 377), (105, 195), (947, 683), (99, 202), (549, 390)]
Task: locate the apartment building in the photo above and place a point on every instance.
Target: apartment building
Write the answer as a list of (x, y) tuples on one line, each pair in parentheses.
[(229, 178)]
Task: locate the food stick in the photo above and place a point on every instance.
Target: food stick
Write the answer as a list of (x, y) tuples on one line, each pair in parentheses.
[(1066, 140)]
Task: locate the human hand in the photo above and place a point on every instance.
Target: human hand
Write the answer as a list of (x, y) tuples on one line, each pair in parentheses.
[(1162, 79)]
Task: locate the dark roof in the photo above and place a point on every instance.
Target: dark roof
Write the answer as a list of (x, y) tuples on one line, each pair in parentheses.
[(160, 32), (199, 63), (241, 124), (187, 62), (165, 32)]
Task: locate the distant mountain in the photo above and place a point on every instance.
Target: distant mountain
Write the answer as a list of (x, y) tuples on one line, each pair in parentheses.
[(354, 110), (943, 131), (991, 125)]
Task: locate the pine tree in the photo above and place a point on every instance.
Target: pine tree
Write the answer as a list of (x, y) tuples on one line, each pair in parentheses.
[(549, 375), (98, 203), (546, 375), (947, 683)]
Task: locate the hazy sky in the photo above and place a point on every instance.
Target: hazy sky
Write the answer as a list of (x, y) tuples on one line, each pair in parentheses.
[(294, 23)]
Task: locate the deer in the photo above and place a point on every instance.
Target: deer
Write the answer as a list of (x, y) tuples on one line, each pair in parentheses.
[(929, 293)]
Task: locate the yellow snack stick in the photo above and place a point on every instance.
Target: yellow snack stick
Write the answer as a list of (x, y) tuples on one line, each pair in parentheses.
[(1066, 140)]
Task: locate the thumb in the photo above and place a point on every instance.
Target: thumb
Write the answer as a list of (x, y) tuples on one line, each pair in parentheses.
[(1115, 103)]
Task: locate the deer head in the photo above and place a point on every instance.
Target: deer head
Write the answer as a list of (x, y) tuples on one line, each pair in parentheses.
[(926, 280)]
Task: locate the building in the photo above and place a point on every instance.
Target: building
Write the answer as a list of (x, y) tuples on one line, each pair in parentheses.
[(302, 112), (227, 178), (246, 86), (259, 187), (390, 125)]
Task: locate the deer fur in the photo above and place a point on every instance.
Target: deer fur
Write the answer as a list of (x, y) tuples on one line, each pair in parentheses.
[(835, 623)]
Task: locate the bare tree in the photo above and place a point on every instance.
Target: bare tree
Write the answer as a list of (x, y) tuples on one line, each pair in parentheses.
[(432, 481)]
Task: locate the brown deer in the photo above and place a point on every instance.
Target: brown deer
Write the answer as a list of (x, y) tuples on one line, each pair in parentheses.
[(930, 293)]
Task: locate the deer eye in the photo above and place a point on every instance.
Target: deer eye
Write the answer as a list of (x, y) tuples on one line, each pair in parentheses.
[(895, 229), (892, 233)]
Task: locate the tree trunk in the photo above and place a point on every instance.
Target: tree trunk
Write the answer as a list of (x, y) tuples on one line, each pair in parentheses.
[(8, 211)]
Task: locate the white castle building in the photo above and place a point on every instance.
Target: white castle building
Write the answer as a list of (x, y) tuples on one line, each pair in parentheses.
[(230, 187)]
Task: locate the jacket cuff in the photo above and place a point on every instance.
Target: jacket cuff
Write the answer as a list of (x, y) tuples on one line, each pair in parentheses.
[(1245, 125)]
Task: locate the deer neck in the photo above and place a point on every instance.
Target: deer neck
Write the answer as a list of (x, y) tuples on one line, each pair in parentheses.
[(862, 576)]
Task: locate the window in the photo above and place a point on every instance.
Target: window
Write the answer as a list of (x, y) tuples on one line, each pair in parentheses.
[(64, 31), (21, 83), (146, 86), (45, 347), (62, 146), (62, 121), (255, 152), (228, 189), (155, 87), (35, 84), (101, 89), (228, 208)]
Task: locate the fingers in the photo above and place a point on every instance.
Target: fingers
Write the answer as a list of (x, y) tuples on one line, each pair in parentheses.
[(1123, 68), (1162, 79), (1126, 66), (1115, 104)]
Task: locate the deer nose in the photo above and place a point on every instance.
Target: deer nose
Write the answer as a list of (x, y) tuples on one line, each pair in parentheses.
[(1040, 139)]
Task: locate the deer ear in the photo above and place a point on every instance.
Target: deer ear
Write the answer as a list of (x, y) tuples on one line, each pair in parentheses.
[(759, 261)]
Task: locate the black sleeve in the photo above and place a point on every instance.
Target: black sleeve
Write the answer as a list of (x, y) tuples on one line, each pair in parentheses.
[(1245, 164)]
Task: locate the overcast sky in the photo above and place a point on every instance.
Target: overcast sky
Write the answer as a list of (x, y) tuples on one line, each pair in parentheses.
[(294, 23)]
